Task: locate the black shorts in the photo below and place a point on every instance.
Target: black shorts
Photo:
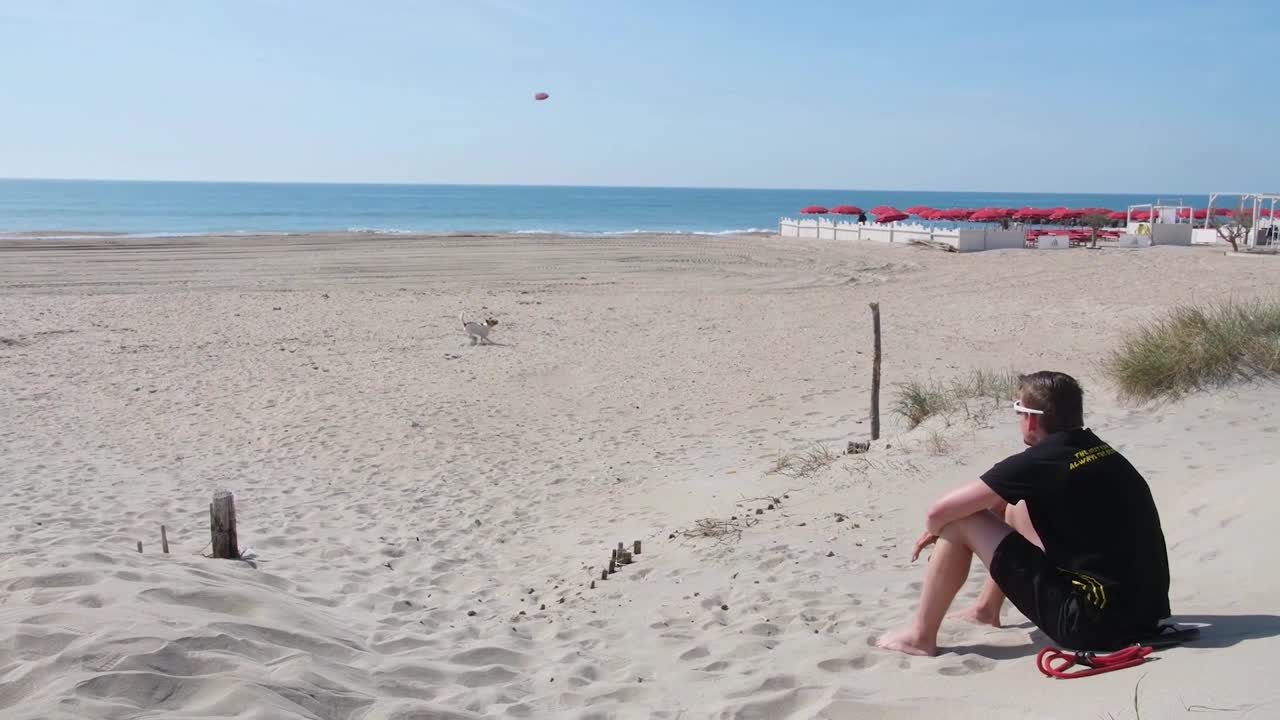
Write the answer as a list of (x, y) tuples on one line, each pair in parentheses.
[(1065, 606)]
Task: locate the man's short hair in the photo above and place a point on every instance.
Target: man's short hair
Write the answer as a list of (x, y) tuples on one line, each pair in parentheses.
[(1058, 395)]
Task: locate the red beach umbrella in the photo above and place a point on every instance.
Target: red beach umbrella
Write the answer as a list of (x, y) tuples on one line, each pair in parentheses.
[(1030, 213), (814, 210), (990, 214), (847, 210), (892, 217), (917, 209), (1066, 214), (884, 210), (1116, 215)]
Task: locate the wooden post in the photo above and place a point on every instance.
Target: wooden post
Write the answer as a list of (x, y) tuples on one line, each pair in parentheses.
[(139, 546), (875, 373), (222, 526), (636, 549), (624, 558), (604, 575), (613, 567), (164, 540)]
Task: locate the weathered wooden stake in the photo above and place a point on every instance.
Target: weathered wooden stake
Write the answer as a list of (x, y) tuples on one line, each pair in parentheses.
[(875, 373), (139, 546), (624, 558), (604, 575), (636, 549), (164, 540), (222, 526), (613, 566)]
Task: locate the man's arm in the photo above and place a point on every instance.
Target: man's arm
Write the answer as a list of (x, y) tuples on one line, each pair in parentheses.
[(963, 501)]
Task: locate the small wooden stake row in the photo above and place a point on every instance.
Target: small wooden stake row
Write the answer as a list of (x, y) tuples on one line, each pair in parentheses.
[(619, 556)]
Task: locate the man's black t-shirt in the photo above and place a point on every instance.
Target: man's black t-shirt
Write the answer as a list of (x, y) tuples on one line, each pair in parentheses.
[(1094, 513)]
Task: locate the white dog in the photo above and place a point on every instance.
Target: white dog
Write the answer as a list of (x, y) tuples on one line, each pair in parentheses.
[(478, 331)]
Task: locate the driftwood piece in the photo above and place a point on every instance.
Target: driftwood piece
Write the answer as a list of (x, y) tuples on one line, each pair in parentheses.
[(164, 540)]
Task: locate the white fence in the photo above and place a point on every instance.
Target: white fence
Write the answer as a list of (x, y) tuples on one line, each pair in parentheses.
[(973, 239), (966, 240), (1204, 236)]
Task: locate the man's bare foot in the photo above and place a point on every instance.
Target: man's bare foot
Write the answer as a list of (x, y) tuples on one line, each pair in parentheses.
[(979, 615), (906, 641)]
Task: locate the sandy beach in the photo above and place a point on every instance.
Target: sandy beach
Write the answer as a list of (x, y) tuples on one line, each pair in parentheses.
[(426, 517)]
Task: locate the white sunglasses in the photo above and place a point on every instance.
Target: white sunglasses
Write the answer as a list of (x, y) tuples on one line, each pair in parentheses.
[(1018, 407)]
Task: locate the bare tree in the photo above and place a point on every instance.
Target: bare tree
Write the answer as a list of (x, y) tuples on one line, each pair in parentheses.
[(1235, 229), (1095, 222)]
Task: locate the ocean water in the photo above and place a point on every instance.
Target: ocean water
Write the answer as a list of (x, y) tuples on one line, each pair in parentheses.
[(180, 208)]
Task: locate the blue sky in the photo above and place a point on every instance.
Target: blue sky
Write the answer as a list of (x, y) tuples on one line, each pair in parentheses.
[(1001, 96)]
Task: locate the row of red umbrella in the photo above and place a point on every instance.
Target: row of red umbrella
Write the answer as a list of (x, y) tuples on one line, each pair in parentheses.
[(883, 213), (888, 213)]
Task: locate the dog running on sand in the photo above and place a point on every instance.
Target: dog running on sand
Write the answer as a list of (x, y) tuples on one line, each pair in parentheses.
[(478, 331)]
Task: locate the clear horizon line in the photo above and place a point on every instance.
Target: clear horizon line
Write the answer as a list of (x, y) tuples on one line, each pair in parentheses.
[(563, 185)]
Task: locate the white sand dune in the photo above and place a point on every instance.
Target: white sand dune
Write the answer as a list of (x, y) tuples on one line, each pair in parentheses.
[(426, 517)]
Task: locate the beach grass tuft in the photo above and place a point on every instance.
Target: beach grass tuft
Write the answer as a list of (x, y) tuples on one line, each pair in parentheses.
[(997, 385), (805, 463), (918, 400), (1196, 347), (936, 443)]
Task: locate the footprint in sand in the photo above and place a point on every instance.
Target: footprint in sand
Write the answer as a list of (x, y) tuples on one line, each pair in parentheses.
[(837, 665), (696, 653), (968, 666), (764, 629)]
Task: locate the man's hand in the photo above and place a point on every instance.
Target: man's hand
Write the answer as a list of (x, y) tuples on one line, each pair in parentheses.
[(925, 541), (964, 501)]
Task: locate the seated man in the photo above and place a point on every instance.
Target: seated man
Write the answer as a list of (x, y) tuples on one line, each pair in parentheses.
[(1067, 529)]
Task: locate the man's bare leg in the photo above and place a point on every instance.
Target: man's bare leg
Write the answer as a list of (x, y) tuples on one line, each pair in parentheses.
[(979, 534), (986, 609)]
